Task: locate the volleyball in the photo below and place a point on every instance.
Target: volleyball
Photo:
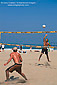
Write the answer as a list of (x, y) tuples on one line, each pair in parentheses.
[(43, 26)]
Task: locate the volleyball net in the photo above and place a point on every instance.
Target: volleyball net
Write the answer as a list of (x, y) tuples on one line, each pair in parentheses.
[(29, 45), (32, 32), (27, 39)]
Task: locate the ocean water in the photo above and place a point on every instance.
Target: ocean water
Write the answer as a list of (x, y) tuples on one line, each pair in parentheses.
[(23, 47)]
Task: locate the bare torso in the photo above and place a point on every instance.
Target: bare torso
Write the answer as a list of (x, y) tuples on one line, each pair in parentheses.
[(45, 44), (16, 57)]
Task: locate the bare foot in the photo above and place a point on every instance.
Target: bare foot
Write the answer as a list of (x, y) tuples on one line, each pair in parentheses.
[(49, 61), (38, 59)]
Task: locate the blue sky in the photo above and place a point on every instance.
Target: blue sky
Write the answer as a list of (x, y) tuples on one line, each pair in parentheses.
[(29, 18)]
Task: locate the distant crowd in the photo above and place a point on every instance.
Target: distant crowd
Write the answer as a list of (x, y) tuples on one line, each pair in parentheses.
[(2, 47)]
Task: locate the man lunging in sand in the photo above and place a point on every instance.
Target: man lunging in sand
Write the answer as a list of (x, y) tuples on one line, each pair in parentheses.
[(44, 49), (17, 66)]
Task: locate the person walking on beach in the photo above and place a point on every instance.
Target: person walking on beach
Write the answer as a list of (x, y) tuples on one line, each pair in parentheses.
[(21, 47), (0, 47), (44, 49), (3, 46), (30, 48), (17, 66)]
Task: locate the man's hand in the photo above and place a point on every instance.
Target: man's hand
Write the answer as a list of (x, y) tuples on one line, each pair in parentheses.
[(5, 64), (46, 35), (8, 61)]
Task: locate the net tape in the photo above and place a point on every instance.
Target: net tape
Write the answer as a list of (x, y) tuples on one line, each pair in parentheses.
[(33, 32), (29, 45)]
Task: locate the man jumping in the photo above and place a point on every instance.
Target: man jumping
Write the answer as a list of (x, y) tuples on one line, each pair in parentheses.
[(17, 66), (44, 49)]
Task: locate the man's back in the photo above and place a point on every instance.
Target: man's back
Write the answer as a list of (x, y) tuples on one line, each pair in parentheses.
[(16, 57)]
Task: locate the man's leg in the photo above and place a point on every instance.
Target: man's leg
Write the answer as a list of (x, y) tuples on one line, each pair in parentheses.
[(42, 52), (10, 69), (7, 75), (46, 52), (22, 74), (40, 56), (47, 58)]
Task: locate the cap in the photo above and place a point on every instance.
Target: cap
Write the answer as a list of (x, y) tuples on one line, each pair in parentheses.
[(15, 48)]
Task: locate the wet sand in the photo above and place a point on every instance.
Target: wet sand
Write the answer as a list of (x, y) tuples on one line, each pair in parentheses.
[(38, 72)]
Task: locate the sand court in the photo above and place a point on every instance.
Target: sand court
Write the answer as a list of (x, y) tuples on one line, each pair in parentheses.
[(38, 72)]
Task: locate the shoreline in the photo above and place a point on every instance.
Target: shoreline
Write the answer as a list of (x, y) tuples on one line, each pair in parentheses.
[(28, 49)]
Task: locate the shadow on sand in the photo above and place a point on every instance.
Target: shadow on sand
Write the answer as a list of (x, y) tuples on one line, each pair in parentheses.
[(17, 80), (47, 65), (13, 80)]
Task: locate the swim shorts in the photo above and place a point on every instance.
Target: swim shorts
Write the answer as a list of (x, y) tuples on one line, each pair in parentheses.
[(2, 48), (44, 50), (15, 67)]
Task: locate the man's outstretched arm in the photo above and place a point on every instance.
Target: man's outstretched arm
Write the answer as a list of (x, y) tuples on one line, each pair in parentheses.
[(44, 37), (8, 61)]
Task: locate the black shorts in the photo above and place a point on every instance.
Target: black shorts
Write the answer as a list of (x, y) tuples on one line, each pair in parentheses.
[(44, 50), (2, 48), (16, 67)]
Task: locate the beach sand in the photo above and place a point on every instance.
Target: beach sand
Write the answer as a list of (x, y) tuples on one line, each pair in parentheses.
[(38, 72)]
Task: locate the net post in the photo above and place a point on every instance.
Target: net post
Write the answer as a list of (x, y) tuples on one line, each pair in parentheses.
[(0, 36)]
